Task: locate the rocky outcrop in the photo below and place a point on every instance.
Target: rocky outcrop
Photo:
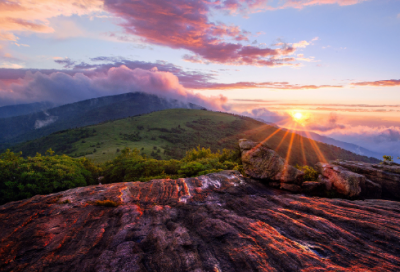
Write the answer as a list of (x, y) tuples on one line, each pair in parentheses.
[(347, 183), (341, 180), (385, 175), (217, 222), (261, 162), (345, 179)]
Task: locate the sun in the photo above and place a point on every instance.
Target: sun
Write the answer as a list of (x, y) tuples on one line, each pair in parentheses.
[(298, 116)]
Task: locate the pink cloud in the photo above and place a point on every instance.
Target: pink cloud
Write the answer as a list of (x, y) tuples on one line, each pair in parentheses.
[(299, 4), (183, 24), (260, 85)]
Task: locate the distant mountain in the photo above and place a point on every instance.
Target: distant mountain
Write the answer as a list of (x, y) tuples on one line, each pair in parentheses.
[(351, 147), (83, 113), (23, 109)]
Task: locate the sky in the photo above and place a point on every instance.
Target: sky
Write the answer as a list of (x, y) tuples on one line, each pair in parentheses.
[(335, 62)]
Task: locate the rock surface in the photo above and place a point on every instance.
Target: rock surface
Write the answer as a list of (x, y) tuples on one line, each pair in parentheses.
[(217, 222), (261, 162)]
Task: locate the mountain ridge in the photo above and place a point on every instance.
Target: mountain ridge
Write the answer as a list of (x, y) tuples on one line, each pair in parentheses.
[(23, 109)]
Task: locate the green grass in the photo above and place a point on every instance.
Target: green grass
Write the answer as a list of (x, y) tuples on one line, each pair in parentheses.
[(170, 133), (110, 135)]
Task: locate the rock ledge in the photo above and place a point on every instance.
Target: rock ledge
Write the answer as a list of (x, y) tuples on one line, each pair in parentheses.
[(217, 222)]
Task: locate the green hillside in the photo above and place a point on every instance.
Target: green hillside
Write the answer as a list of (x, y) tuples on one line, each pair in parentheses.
[(38, 124), (170, 133)]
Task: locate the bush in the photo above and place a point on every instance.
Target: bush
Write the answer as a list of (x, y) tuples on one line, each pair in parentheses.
[(310, 174), (25, 177), (131, 165), (387, 158), (22, 178)]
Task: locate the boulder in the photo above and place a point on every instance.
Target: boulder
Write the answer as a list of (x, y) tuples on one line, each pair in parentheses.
[(344, 182), (261, 162), (387, 175)]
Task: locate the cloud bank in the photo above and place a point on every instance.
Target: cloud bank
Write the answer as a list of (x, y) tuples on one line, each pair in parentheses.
[(62, 88), (380, 139)]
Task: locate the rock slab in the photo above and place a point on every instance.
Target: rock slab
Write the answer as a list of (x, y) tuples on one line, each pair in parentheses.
[(217, 222)]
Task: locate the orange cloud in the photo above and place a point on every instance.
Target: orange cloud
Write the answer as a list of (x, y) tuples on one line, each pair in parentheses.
[(379, 83), (184, 24), (27, 15)]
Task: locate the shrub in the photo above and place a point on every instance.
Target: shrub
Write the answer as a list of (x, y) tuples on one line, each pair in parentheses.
[(131, 165), (310, 174), (387, 158), (25, 177)]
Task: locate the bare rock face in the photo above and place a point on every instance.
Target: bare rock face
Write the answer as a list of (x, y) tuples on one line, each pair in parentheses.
[(261, 162), (386, 175), (217, 222)]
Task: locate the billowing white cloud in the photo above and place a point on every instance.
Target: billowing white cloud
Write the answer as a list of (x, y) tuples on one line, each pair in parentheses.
[(59, 87)]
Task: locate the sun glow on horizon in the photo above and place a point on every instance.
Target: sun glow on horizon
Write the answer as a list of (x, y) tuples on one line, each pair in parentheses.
[(299, 117)]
